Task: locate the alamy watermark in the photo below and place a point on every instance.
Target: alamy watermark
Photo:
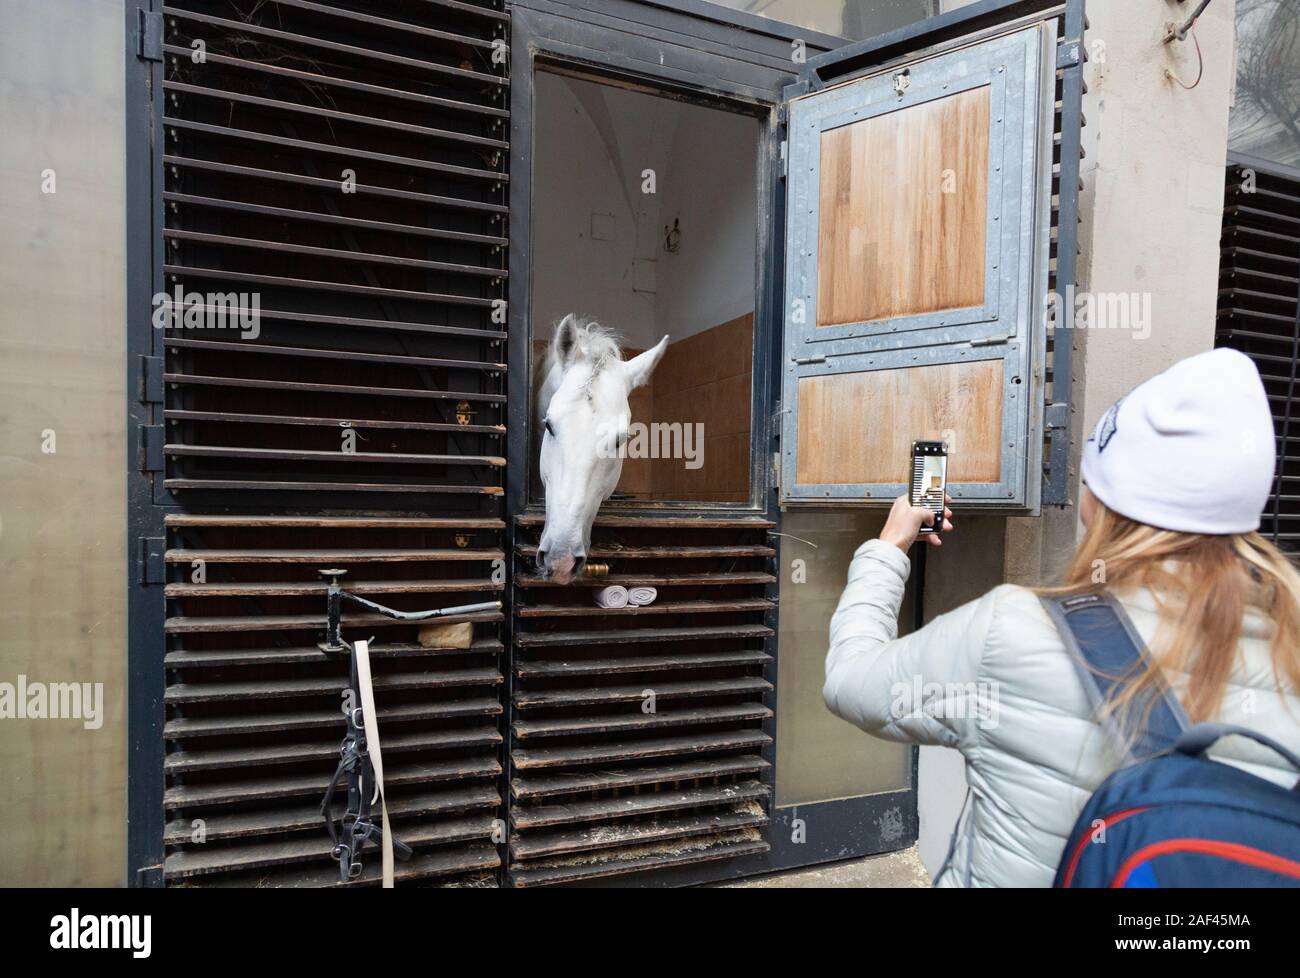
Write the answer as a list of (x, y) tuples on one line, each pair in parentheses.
[(1129, 311), (978, 701), (179, 309), (658, 439), (27, 700)]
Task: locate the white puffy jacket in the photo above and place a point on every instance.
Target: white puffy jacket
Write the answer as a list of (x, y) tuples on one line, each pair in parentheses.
[(993, 679)]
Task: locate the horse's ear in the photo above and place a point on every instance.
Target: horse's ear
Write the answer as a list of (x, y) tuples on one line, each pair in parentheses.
[(565, 343), (641, 366)]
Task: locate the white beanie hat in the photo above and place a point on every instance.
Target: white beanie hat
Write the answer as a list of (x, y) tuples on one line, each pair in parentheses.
[(1190, 450)]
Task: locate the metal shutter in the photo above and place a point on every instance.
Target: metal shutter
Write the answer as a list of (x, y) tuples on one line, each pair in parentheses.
[(362, 429), (1259, 313)]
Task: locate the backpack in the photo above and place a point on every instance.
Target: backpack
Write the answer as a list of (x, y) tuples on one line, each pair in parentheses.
[(1171, 817)]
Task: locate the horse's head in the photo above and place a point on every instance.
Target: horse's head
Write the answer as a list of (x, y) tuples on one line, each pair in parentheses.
[(583, 408)]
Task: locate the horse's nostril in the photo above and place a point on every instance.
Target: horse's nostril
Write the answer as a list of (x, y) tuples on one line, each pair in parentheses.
[(579, 562), (541, 559)]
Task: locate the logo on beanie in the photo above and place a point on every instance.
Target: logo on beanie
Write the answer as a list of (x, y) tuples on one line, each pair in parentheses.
[(1107, 427)]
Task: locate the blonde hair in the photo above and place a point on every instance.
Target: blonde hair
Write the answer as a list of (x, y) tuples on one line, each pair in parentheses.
[(1203, 587)]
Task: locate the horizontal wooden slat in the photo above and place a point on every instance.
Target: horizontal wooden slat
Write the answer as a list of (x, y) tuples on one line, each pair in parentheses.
[(653, 580), (547, 668), (189, 761), (328, 557), (627, 722), (215, 859), (632, 635), (180, 728), (272, 623), (576, 872), (476, 858), (550, 844), (638, 750), (528, 787), (626, 806), (328, 685), (224, 658), (524, 699), (724, 606), (266, 789), (679, 553)]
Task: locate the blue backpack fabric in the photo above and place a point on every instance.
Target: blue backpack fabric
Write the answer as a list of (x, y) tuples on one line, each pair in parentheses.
[(1171, 816)]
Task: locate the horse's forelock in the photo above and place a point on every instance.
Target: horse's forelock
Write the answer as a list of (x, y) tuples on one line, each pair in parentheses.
[(594, 343)]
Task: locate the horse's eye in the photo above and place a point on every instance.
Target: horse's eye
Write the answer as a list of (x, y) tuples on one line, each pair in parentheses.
[(549, 429)]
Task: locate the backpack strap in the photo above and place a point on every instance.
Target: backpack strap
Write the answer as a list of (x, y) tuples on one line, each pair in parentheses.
[(1107, 651)]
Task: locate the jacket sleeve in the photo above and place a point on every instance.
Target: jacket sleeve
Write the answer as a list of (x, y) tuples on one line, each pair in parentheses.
[(924, 688)]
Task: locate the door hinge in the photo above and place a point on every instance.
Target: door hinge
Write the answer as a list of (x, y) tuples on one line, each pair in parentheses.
[(152, 560), (805, 361), (149, 39), (990, 341), (776, 471), (1056, 416), (152, 439), (151, 379)]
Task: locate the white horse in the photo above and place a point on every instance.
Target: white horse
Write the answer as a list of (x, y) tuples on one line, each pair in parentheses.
[(584, 415)]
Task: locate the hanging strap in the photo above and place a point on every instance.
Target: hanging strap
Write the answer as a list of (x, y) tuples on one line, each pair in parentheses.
[(1108, 652), (370, 723)]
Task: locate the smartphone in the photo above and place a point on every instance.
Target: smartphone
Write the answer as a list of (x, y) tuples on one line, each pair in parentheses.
[(930, 479)]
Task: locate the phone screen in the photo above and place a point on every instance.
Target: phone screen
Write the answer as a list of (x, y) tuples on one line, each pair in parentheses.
[(930, 479)]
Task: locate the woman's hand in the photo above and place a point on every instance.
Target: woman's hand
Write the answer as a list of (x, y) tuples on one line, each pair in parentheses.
[(905, 522)]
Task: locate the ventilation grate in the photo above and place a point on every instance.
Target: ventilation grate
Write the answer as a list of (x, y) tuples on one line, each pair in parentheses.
[(1259, 314), (344, 164), (638, 733)]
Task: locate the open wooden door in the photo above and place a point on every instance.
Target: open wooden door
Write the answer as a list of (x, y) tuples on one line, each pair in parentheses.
[(918, 251)]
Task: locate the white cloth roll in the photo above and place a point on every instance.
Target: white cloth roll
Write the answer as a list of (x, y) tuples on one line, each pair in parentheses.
[(639, 596), (614, 596)]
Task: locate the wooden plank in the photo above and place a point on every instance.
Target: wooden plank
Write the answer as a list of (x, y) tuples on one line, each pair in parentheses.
[(210, 794), (552, 844), (859, 427), (904, 195), (222, 658), (739, 685), (658, 608), (265, 689), (336, 522), (624, 722), (526, 818), (225, 859), (655, 580), (599, 552), (306, 818), (329, 557), (347, 458), (638, 750), (179, 728), (278, 589), (534, 787), (477, 859), (577, 872), (261, 485), (264, 623), (664, 522), (628, 636), (190, 761), (548, 668)]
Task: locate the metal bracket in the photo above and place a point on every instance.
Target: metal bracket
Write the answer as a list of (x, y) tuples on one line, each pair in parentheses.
[(1069, 55), (149, 39), (1057, 415), (151, 560), (152, 440), (151, 379)]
